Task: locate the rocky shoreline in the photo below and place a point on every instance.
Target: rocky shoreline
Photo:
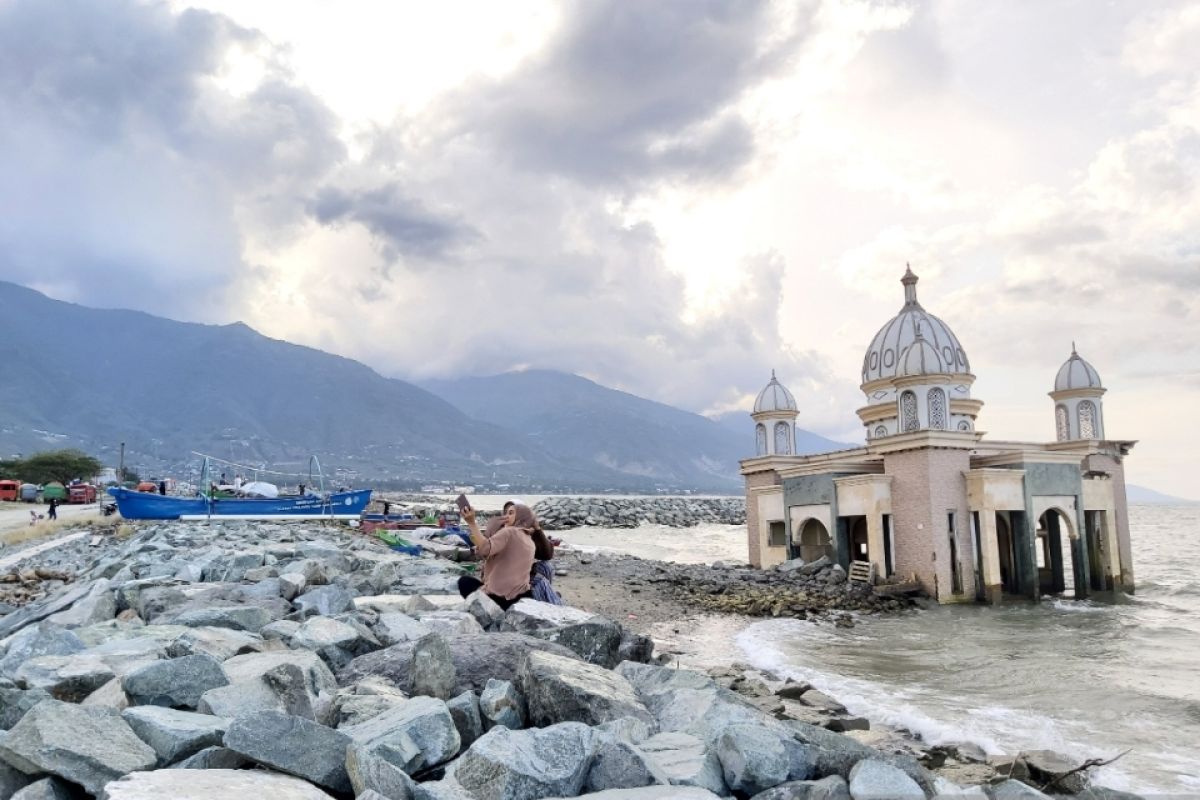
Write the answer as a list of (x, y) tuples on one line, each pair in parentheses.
[(561, 513), (302, 660)]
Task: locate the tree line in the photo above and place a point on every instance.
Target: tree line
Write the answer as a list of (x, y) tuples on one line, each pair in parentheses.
[(63, 466)]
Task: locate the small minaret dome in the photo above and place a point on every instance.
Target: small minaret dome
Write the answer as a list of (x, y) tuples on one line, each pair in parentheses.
[(774, 414)]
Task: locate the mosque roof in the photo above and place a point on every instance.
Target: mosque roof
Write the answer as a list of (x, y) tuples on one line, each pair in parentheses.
[(886, 357), (775, 397), (1076, 373)]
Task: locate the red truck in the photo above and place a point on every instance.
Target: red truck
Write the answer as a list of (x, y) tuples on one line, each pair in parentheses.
[(10, 490), (82, 493)]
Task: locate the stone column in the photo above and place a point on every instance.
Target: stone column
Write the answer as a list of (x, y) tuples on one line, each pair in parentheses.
[(876, 550), (993, 590)]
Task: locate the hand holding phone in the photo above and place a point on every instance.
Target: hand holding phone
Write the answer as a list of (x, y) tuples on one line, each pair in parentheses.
[(462, 502)]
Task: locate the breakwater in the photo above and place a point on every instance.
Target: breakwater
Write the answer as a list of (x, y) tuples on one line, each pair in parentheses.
[(561, 513)]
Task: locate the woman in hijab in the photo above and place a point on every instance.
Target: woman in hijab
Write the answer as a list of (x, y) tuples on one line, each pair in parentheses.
[(508, 556)]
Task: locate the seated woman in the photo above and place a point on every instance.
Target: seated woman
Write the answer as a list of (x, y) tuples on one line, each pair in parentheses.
[(508, 557)]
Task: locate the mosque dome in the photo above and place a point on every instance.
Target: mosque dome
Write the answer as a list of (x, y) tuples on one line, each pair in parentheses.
[(920, 358), (894, 342), (775, 398), (1076, 374)]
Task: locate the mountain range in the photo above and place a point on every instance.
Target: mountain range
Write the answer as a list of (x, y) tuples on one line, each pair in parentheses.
[(80, 377)]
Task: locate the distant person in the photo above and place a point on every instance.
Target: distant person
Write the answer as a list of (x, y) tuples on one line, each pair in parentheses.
[(162, 487), (52, 509), (32, 517), (509, 556)]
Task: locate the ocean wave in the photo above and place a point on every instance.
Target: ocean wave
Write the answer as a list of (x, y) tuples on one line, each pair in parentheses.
[(1075, 606)]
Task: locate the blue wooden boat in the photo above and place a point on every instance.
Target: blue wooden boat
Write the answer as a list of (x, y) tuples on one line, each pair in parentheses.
[(145, 505)]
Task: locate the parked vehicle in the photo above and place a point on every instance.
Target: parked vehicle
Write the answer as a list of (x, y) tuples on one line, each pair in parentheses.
[(29, 493), (147, 486), (82, 493), (10, 490), (54, 491)]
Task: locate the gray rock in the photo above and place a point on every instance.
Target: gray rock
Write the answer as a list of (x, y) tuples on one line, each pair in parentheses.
[(213, 758), (291, 584), (1013, 789), (596, 640), (393, 628), (36, 612), (653, 793), (324, 601), (468, 718), (423, 722), (559, 689), (70, 678), (476, 658), (294, 745), (43, 639), (450, 623), (353, 709), (874, 780), (98, 605), (445, 789), (813, 567), (626, 729), (836, 754), (530, 616), (370, 773), (833, 787), (621, 765), (220, 643), (212, 784), (485, 610), (752, 758), (514, 765), (176, 683), (14, 703), (88, 746), (320, 632), (635, 647), (110, 695), (433, 672), (12, 779), (1046, 765), (45, 789), (501, 704), (686, 761), (283, 629), (238, 618), (790, 565), (263, 682), (175, 734)]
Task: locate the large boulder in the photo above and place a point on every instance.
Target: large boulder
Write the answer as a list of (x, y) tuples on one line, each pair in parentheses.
[(874, 780), (46, 789), (559, 689), (43, 639), (212, 784), (98, 605), (524, 765), (215, 757), (239, 618), (14, 703), (370, 773), (753, 759), (833, 787), (293, 745), (836, 754), (686, 761), (451, 623), (175, 683), (622, 765), (593, 638), (88, 746), (175, 734), (12, 780), (70, 678), (220, 643), (500, 703), (476, 657), (433, 671), (423, 722), (393, 628), (324, 601), (295, 681), (468, 718)]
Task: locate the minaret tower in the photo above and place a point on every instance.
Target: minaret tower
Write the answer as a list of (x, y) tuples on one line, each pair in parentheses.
[(1078, 409), (775, 415)]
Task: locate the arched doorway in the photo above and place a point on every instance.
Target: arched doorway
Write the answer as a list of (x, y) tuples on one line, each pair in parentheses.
[(1053, 552), (814, 541)]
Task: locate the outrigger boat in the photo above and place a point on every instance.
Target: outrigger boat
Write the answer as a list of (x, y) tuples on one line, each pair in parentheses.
[(210, 504)]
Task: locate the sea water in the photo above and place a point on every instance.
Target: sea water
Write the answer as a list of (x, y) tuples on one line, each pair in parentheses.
[(1090, 678)]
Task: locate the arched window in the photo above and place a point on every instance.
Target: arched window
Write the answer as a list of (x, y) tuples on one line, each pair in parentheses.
[(1061, 423), (783, 439), (963, 425), (937, 409), (760, 434), (908, 412), (880, 431), (1087, 420)]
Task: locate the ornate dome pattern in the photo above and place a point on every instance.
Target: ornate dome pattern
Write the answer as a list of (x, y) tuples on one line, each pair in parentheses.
[(1076, 374), (888, 348), (775, 398), (920, 358)]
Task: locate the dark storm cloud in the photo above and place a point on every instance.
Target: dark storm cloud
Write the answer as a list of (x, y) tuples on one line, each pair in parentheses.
[(122, 158), (634, 91), (402, 224)]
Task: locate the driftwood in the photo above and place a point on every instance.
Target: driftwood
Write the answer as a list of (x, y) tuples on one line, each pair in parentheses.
[(1086, 765)]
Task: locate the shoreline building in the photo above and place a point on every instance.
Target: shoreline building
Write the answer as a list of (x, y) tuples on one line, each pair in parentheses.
[(928, 499)]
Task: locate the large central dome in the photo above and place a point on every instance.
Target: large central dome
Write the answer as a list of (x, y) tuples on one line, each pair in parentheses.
[(885, 357)]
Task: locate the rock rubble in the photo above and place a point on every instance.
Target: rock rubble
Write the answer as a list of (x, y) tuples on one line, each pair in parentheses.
[(560, 513), (178, 662)]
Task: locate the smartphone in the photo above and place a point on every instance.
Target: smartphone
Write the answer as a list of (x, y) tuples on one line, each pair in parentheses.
[(462, 502)]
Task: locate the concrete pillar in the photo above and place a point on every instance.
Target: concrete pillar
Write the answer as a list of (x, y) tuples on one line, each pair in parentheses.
[(876, 550), (993, 589)]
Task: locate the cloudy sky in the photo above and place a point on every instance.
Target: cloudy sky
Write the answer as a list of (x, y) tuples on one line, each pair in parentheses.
[(671, 198)]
